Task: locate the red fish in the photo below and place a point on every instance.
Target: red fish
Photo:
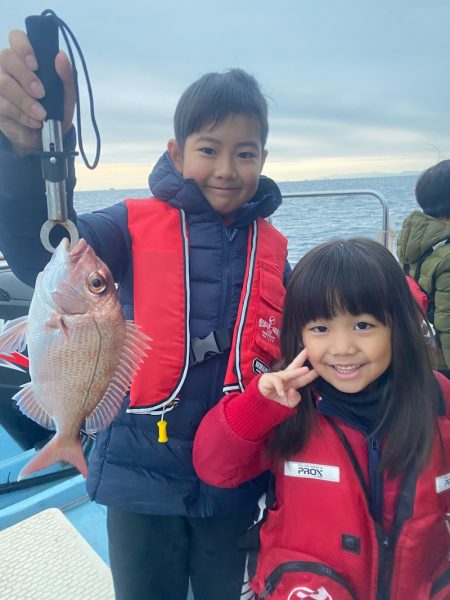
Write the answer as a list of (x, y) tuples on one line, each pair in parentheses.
[(82, 353)]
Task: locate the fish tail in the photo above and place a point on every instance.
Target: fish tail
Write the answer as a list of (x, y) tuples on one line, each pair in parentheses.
[(57, 450)]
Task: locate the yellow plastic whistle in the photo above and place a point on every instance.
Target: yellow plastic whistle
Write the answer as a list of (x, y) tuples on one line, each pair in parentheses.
[(162, 431)]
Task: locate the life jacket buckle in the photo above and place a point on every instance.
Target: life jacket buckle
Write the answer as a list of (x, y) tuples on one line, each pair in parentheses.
[(202, 348)]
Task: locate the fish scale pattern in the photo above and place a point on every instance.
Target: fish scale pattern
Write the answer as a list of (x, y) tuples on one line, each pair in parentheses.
[(45, 558)]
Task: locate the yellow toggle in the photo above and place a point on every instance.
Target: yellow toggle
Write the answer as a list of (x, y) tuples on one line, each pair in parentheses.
[(162, 431)]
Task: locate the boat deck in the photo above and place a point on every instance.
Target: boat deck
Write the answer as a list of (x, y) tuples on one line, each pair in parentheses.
[(68, 495)]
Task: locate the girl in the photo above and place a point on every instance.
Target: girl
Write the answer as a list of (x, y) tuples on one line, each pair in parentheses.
[(360, 453)]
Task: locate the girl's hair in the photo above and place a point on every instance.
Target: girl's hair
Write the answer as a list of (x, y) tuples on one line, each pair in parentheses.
[(361, 276), (216, 96)]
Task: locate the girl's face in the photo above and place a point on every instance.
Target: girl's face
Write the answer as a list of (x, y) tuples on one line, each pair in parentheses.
[(348, 352)]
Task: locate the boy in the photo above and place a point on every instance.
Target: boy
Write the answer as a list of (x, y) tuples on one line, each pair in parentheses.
[(212, 312), (424, 251)]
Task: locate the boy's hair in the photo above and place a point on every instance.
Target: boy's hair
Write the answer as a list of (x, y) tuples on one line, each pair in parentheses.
[(361, 276), (433, 190), (216, 96)]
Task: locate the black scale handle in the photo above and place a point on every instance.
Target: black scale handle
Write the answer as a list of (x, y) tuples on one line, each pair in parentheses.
[(43, 35)]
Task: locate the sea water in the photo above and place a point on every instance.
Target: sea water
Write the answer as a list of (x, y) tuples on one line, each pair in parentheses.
[(308, 221)]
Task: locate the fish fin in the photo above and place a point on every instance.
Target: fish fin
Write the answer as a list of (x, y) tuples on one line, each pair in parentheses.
[(29, 405), (134, 350), (13, 336), (57, 449)]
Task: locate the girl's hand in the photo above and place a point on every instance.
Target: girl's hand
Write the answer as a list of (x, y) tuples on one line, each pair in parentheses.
[(282, 386)]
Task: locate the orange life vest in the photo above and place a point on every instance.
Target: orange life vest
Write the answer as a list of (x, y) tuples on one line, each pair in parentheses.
[(160, 243)]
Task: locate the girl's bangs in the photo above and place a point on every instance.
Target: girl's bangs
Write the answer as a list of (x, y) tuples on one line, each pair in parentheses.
[(343, 281)]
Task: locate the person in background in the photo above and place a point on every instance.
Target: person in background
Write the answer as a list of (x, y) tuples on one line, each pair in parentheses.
[(424, 251), (203, 274), (355, 427)]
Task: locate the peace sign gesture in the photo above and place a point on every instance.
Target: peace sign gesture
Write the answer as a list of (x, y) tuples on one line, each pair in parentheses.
[(282, 386)]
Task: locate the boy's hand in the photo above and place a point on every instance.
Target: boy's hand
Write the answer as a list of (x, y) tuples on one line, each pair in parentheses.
[(21, 114), (282, 386)]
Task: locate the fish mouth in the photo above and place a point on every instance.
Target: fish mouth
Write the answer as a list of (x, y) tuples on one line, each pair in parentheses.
[(80, 248), (64, 252)]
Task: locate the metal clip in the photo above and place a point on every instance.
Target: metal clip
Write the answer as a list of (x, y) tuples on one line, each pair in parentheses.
[(54, 171)]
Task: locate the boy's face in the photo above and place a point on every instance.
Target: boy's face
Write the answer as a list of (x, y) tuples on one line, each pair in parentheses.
[(225, 161)]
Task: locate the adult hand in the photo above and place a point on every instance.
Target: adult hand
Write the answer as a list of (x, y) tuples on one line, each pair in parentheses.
[(21, 114), (282, 386)]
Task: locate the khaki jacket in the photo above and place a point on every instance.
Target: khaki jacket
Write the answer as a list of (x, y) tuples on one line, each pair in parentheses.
[(419, 233)]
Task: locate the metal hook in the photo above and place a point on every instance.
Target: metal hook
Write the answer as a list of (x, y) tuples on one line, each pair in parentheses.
[(50, 224)]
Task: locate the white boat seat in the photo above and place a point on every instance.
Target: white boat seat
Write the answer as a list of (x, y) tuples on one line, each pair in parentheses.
[(45, 558)]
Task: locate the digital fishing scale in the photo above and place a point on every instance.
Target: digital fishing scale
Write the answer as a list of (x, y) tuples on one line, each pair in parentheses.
[(43, 33)]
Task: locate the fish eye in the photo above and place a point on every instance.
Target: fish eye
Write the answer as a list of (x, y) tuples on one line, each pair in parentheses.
[(96, 283)]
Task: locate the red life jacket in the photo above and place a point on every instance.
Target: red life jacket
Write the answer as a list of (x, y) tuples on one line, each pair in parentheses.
[(320, 541), (160, 242), (418, 294)]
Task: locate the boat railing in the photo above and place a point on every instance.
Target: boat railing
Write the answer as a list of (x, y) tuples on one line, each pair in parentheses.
[(386, 235)]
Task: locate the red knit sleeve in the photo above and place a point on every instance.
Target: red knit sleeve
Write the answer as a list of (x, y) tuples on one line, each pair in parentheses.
[(229, 446), (251, 415)]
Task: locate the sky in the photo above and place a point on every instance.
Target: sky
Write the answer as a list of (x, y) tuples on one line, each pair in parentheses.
[(354, 86)]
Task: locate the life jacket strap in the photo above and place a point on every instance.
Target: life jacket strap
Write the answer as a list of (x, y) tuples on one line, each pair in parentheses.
[(216, 342)]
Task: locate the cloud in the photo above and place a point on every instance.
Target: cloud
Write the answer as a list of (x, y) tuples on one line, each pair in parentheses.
[(348, 82)]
